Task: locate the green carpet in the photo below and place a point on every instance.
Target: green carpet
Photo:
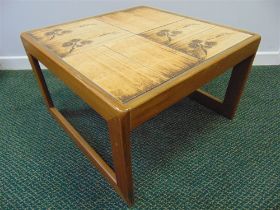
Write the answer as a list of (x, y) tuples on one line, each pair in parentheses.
[(188, 157)]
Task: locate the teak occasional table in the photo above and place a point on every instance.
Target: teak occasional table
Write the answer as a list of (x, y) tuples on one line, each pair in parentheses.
[(132, 64)]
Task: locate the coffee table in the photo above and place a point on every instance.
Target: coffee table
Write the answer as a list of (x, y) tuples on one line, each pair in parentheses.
[(132, 64)]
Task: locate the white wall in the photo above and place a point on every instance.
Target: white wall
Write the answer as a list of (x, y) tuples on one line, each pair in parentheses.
[(261, 16)]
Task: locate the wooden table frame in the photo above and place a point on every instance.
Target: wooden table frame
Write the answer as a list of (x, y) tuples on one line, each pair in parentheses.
[(122, 119)]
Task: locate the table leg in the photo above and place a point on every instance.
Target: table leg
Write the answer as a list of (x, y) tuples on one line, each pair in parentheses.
[(235, 88), (41, 81), (121, 178), (119, 130)]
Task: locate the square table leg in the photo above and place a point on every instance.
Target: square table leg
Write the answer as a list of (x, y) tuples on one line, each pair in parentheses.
[(234, 91), (119, 131), (41, 81), (236, 85)]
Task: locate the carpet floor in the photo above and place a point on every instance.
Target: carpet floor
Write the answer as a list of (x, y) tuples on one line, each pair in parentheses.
[(188, 157)]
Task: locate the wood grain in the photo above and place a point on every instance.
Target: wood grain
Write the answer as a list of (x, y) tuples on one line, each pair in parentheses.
[(129, 73), (139, 19), (129, 53)]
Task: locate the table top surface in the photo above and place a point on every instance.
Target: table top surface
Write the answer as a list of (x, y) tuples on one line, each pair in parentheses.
[(131, 52)]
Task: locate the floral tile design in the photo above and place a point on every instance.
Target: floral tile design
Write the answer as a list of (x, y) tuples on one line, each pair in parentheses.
[(196, 47), (199, 48), (73, 44), (56, 32), (168, 34)]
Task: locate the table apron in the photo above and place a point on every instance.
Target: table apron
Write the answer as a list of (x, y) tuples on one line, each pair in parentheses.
[(162, 101)]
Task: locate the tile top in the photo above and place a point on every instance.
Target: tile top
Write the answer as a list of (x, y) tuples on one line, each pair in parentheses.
[(130, 52)]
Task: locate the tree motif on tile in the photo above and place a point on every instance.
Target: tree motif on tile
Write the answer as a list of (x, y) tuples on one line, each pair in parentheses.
[(75, 43), (168, 34), (56, 32), (198, 48)]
